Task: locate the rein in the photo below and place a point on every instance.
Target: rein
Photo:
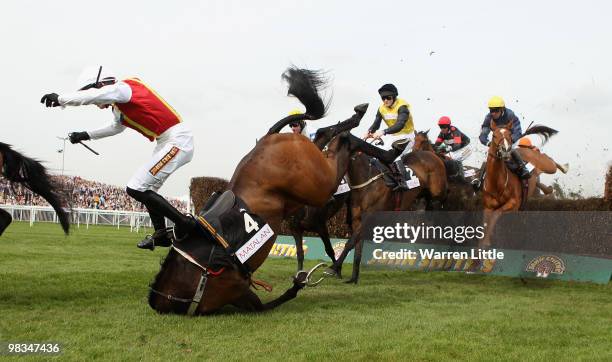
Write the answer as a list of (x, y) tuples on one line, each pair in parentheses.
[(497, 156), (369, 181)]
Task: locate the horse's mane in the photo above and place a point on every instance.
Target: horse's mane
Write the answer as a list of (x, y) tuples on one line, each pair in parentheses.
[(547, 132), (305, 85), (33, 175)]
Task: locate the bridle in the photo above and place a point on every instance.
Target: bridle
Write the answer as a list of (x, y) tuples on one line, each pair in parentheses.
[(199, 292), (499, 154), (195, 301)]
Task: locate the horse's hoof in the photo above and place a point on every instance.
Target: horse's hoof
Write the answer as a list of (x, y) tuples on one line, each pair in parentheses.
[(332, 273), (362, 108), (352, 280)]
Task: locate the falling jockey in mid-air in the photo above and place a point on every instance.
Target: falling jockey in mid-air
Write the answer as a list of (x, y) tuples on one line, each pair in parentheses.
[(135, 105)]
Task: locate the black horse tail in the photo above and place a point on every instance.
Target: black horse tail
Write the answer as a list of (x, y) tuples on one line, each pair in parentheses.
[(33, 175), (305, 85), (547, 132)]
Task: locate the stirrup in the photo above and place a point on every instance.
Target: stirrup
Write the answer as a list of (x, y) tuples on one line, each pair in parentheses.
[(476, 184), (401, 186), (149, 242), (175, 238)]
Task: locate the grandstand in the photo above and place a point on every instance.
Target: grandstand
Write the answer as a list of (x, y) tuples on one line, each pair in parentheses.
[(82, 193)]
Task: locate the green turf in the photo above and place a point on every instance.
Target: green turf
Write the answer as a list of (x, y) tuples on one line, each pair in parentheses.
[(88, 291)]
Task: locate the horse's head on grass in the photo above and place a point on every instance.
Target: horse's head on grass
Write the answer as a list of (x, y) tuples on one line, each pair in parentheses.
[(174, 285)]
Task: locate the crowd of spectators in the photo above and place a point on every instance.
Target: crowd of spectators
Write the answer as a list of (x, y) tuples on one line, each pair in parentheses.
[(81, 193)]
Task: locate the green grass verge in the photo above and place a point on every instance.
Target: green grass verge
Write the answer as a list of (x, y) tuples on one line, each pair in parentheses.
[(88, 291)]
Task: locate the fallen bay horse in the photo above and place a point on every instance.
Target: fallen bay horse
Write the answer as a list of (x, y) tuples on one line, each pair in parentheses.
[(17, 168), (279, 175), (503, 190), (369, 193)]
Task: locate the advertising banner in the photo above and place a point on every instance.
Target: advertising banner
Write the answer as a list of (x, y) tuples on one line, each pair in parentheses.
[(554, 245)]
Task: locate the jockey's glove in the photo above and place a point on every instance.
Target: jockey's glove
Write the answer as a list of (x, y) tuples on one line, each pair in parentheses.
[(483, 139), (76, 137), (50, 100)]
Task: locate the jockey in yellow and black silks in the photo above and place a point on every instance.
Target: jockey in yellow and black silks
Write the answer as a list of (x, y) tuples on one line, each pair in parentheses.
[(396, 114)]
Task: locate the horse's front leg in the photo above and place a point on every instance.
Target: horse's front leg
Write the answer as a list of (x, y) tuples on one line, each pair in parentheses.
[(251, 302), (489, 221)]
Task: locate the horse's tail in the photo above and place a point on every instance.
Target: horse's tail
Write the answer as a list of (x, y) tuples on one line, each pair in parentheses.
[(305, 85), (33, 175), (544, 131)]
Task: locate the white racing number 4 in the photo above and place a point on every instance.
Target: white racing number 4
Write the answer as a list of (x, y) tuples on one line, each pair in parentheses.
[(250, 224)]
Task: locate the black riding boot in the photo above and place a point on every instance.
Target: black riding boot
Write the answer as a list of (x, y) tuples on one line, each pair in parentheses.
[(160, 206), (518, 166), (402, 185), (159, 237), (459, 176)]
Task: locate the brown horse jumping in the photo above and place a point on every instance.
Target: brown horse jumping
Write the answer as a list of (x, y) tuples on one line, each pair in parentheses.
[(370, 194), (281, 174), (503, 190), (33, 175)]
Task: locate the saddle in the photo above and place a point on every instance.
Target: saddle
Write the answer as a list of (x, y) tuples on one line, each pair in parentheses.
[(391, 176), (236, 231), (388, 178)]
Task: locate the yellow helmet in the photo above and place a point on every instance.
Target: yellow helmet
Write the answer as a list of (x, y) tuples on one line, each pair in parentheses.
[(295, 111), (496, 102)]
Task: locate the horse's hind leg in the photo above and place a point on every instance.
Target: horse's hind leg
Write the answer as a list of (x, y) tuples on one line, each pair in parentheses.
[(297, 232), (324, 234), (356, 260), (336, 269), (547, 190), (5, 220)]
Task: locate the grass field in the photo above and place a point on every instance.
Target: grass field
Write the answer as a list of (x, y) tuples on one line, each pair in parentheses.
[(88, 291)]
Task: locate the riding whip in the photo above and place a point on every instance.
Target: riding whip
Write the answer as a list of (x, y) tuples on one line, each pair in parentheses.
[(89, 148)]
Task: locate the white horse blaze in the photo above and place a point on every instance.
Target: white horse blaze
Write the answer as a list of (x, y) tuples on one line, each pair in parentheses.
[(503, 130)]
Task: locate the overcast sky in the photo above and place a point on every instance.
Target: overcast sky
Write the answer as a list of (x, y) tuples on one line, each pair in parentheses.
[(218, 63)]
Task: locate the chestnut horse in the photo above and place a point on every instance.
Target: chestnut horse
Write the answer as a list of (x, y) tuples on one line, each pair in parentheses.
[(33, 175), (280, 174), (502, 190)]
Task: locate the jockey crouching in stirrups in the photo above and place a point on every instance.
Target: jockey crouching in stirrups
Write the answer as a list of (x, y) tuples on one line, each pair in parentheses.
[(137, 106), (501, 115), (397, 116), (453, 144)]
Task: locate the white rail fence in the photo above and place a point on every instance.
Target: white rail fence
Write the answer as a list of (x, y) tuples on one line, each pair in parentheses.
[(81, 217)]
